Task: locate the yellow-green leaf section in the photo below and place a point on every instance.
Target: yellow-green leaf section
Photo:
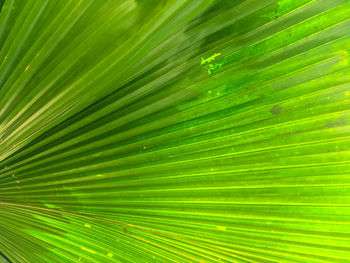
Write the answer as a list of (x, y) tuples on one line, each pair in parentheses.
[(174, 131)]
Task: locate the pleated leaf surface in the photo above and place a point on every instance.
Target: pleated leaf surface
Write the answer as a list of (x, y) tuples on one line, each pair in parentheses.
[(174, 131)]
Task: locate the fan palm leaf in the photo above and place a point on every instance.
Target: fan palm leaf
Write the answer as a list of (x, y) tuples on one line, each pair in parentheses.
[(174, 131)]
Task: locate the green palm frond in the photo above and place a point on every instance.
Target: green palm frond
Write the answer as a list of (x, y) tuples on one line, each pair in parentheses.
[(174, 131)]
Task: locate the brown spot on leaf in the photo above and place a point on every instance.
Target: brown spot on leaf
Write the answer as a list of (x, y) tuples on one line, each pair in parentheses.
[(276, 109), (336, 123)]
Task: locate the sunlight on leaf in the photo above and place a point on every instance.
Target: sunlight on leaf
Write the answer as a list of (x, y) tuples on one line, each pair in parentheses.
[(174, 131)]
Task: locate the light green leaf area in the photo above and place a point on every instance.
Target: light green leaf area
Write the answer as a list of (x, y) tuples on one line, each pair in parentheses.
[(174, 131)]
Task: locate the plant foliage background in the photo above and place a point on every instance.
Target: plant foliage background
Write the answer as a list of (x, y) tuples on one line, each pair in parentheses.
[(175, 131)]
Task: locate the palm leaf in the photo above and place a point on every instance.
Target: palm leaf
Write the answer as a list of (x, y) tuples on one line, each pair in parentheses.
[(174, 131)]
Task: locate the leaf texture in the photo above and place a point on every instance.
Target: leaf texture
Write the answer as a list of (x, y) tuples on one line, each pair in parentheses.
[(174, 131)]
